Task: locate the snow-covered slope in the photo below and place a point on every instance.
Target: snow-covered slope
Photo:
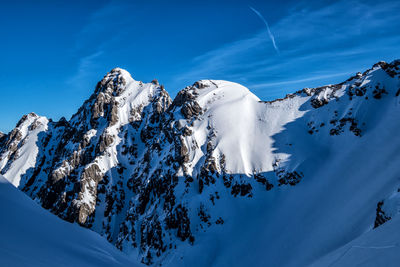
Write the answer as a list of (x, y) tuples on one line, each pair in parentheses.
[(31, 236), (380, 247), (216, 176)]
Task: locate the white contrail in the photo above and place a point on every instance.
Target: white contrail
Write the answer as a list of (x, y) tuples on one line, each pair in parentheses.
[(268, 30)]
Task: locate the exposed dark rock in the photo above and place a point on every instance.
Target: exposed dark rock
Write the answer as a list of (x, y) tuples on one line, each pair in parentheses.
[(62, 123), (183, 151), (392, 69), (191, 109), (339, 125), (204, 216), (381, 217), (151, 236), (378, 92), (105, 141), (360, 91), (183, 96), (200, 84), (242, 190), (317, 103), (289, 178), (91, 176), (2, 139), (187, 131), (261, 179), (219, 221), (114, 113), (178, 219)]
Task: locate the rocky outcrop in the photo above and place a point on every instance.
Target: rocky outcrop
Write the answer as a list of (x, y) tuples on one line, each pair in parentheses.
[(381, 216), (2, 138), (392, 69), (186, 100), (86, 201)]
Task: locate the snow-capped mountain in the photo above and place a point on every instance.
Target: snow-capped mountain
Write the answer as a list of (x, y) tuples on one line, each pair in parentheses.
[(217, 176)]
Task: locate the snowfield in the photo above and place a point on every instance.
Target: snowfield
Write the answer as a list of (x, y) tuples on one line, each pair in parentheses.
[(31, 236), (380, 247)]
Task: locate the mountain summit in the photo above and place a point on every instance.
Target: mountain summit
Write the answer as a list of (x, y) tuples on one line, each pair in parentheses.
[(217, 176)]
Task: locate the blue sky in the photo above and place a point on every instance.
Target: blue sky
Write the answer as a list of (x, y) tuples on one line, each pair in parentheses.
[(52, 53)]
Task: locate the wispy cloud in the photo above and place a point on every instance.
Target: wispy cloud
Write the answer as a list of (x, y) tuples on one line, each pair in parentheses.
[(86, 67), (103, 25), (271, 36), (94, 41), (317, 45)]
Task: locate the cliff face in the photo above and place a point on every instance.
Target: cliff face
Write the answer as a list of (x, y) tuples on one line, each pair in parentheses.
[(176, 182)]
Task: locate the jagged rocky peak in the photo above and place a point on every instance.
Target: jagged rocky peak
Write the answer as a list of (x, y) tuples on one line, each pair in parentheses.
[(119, 99), (17, 148), (85, 150), (27, 123), (102, 102), (113, 82), (26, 117)]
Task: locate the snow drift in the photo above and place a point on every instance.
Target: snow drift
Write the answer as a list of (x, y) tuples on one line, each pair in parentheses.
[(31, 236)]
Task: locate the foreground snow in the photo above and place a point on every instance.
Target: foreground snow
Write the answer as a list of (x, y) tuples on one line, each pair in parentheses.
[(31, 236), (380, 247)]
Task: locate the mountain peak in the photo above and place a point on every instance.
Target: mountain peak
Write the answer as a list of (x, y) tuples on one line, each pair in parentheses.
[(30, 121), (205, 92), (114, 82), (27, 117), (118, 98)]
